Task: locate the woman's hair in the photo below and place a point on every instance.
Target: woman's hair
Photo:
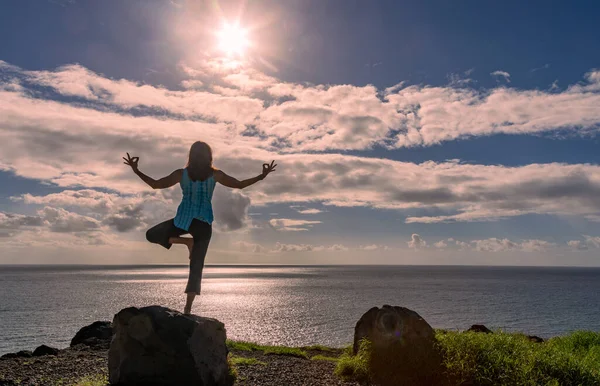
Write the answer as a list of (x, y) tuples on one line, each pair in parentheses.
[(199, 164)]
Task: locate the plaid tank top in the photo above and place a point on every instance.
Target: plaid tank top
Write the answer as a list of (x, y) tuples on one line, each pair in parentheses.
[(196, 201)]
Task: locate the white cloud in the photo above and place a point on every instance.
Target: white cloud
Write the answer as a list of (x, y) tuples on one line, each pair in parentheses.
[(589, 242), (281, 247), (494, 244), (578, 245), (440, 244), (502, 74), (309, 211), (286, 224), (416, 242), (250, 118)]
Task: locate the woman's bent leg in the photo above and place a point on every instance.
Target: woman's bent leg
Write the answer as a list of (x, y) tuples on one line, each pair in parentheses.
[(161, 233)]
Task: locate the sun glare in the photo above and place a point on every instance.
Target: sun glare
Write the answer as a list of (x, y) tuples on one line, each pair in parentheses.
[(233, 39)]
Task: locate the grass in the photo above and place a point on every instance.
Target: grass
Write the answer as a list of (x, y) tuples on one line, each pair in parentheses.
[(511, 359), (355, 367), (501, 359), (246, 361), (318, 347), (92, 380), (267, 350)]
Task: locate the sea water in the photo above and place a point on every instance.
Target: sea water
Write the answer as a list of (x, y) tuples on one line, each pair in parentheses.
[(297, 305)]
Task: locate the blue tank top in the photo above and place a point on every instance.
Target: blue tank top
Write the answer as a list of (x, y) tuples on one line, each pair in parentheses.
[(196, 202)]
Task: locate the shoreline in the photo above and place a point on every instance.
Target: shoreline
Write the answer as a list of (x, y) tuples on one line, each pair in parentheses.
[(86, 363)]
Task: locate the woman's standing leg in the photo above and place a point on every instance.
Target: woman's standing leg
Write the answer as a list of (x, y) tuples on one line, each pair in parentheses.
[(201, 232)]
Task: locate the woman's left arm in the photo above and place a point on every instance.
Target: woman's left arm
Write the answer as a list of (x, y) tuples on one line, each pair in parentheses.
[(231, 182)]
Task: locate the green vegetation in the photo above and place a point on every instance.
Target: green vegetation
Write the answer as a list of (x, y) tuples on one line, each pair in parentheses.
[(92, 380), (233, 373), (323, 358), (243, 346), (512, 359), (289, 351), (318, 347), (502, 359), (267, 350), (246, 361), (355, 367)]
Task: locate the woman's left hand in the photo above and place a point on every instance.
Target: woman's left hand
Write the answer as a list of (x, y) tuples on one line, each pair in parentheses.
[(268, 168)]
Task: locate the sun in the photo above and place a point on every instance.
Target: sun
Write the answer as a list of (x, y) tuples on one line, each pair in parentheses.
[(233, 40)]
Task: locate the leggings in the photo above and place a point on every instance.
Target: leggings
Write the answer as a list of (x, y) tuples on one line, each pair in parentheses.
[(201, 232)]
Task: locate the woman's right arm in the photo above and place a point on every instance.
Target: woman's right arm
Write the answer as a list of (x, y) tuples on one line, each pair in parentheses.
[(165, 182)]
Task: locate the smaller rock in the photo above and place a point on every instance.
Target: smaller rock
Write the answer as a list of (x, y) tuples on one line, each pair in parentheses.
[(20, 354), (45, 350), (535, 339), (480, 328), (100, 331)]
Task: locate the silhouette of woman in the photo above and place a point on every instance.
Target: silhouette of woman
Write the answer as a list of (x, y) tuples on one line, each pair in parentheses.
[(194, 214)]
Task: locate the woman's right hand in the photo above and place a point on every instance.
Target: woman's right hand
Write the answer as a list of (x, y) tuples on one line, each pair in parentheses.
[(132, 161)]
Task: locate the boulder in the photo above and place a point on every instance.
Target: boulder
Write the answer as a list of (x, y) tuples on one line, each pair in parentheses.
[(403, 347), (96, 334), (535, 339), (20, 354), (480, 328), (159, 346), (45, 350)]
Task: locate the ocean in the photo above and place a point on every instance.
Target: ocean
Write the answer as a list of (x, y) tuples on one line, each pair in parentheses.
[(297, 305)]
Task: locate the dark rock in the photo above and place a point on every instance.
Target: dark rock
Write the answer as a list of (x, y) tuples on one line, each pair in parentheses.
[(97, 333), (480, 328), (159, 346), (45, 350), (535, 339), (403, 347), (20, 354)]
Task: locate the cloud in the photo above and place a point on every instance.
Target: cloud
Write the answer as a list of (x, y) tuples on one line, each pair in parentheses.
[(416, 242), (127, 218), (244, 246), (60, 220), (290, 117), (502, 74), (494, 244), (370, 247), (440, 244), (230, 209), (280, 247), (589, 242), (286, 224), (13, 221), (309, 211), (69, 127), (578, 245)]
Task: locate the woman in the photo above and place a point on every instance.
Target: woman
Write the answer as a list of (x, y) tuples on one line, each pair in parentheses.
[(194, 214)]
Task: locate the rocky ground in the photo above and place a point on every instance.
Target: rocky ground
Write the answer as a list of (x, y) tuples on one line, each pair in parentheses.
[(85, 366)]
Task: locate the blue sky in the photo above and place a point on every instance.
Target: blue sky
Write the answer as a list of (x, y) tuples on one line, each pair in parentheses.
[(408, 132)]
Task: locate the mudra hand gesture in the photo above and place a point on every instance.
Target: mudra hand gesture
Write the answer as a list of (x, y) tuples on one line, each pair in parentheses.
[(268, 168), (131, 161)]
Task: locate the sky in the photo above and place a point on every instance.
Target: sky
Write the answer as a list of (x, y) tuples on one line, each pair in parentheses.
[(406, 132)]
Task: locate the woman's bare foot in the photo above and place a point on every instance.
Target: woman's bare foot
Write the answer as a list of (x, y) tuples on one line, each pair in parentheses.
[(187, 310), (184, 240)]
